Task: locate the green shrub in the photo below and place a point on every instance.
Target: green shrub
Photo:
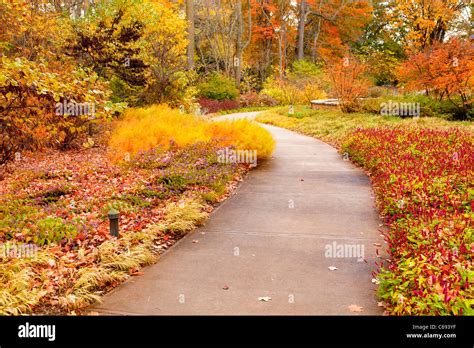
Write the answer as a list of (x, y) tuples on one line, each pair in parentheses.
[(305, 70), (218, 87), (174, 182), (381, 91), (52, 230), (429, 107), (15, 215), (371, 105), (303, 83), (149, 193), (123, 92), (52, 195), (25, 223)]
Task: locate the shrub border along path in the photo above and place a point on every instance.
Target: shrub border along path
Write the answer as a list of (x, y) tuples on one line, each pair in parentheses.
[(265, 249)]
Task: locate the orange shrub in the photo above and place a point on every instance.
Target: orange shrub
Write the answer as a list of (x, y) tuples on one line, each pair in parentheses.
[(143, 129), (348, 81), (244, 135)]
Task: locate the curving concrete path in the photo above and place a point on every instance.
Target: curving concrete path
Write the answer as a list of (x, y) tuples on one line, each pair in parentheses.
[(272, 239)]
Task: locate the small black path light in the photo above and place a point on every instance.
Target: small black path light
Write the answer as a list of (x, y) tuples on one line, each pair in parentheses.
[(114, 222)]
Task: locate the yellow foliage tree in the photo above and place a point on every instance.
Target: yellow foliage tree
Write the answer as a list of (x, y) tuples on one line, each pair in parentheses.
[(424, 22)]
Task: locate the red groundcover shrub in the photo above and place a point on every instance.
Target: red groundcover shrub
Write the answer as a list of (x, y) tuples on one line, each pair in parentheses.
[(424, 182), (211, 105)]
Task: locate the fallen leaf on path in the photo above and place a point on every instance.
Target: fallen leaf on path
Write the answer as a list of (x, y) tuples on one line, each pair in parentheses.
[(378, 244), (225, 287), (265, 298), (332, 268), (195, 241), (137, 274), (355, 308)]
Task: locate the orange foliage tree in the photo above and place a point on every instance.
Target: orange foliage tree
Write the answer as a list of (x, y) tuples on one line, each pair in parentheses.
[(334, 24), (45, 99), (444, 70), (424, 22), (349, 83)]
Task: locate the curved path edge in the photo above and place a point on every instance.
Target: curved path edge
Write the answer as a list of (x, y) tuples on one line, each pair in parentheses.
[(293, 217)]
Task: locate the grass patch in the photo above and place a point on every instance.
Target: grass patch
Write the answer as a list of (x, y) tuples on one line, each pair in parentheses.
[(332, 126), (183, 217), (244, 109)]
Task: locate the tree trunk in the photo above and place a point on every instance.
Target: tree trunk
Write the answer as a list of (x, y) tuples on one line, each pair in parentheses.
[(239, 45), (191, 43), (280, 54), (301, 24), (315, 40), (284, 49)]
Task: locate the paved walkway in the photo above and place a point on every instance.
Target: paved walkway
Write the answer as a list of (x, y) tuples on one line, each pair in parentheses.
[(270, 240)]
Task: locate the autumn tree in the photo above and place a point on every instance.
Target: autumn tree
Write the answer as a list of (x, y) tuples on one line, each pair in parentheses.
[(164, 51), (381, 46), (445, 71), (139, 46), (349, 83), (261, 52), (216, 28), (223, 32), (274, 36), (280, 32), (333, 25), (424, 22), (107, 40), (34, 79)]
